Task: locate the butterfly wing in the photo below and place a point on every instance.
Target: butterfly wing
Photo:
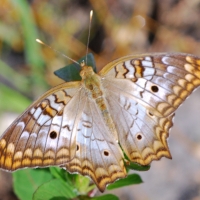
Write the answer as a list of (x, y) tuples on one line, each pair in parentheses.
[(44, 134), (162, 81), (143, 91), (63, 128), (98, 155), (141, 136)]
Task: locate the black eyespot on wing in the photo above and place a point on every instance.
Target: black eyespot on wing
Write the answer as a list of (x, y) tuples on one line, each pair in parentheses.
[(154, 88), (53, 135)]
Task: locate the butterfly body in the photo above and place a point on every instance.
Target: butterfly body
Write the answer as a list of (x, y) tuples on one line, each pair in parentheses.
[(92, 83), (83, 126)]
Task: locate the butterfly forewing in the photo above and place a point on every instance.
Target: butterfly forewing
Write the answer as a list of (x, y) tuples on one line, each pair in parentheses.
[(159, 81), (36, 137)]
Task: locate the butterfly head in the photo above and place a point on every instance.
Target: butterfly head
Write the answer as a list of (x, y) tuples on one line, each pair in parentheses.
[(86, 71)]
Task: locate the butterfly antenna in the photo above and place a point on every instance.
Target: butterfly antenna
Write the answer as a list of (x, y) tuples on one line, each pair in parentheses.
[(39, 41), (91, 14)]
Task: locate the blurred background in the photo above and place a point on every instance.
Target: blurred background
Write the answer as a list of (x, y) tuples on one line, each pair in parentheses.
[(119, 28)]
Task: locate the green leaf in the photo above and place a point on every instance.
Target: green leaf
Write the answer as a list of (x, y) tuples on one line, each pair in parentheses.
[(129, 180), (58, 173), (55, 189), (82, 183), (71, 72), (106, 197), (138, 167), (26, 181)]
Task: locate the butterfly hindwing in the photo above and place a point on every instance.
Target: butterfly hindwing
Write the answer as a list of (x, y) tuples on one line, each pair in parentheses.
[(98, 154), (142, 136)]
